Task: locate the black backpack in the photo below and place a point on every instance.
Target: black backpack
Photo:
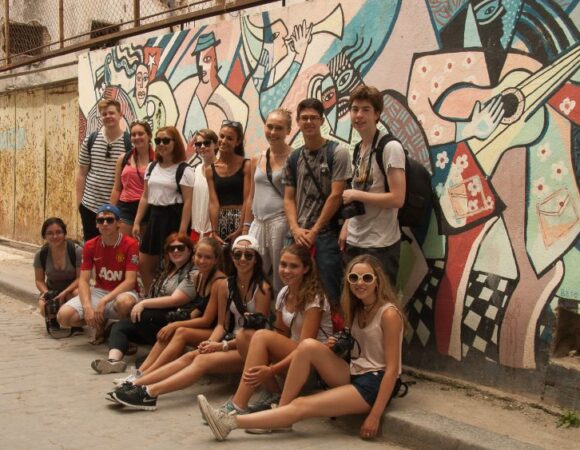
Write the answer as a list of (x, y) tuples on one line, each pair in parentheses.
[(178, 173), (70, 249), (93, 137), (418, 196)]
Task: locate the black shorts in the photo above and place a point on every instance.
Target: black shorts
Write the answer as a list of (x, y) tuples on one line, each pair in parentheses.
[(368, 385), (128, 211)]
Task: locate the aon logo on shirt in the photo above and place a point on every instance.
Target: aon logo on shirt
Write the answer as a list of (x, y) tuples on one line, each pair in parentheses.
[(111, 275)]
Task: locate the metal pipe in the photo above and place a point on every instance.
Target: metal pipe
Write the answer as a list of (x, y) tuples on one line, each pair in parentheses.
[(7, 30), (136, 13), (61, 22)]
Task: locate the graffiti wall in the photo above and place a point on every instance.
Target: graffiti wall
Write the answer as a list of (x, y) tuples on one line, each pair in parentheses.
[(482, 92)]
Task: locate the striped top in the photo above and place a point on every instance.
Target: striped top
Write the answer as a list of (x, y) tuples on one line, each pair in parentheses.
[(101, 174)]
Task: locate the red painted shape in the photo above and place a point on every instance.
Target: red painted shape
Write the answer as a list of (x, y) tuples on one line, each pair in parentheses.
[(458, 248), (236, 78)]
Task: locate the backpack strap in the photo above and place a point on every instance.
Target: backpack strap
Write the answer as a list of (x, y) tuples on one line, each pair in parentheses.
[(293, 163), (43, 256), (91, 141), (330, 148), (179, 174), (151, 167), (379, 156), (269, 173), (72, 252), (127, 142), (125, 160)]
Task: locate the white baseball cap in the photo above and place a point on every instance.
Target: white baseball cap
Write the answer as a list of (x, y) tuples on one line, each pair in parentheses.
[(250, 242)]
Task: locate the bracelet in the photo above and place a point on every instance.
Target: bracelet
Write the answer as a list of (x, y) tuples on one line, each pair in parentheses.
[(225, 346)]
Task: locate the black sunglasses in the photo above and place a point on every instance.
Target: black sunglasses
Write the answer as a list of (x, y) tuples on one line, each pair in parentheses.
[(109, 220), (205, 143), (248, 256), (164, 141), (232, 123), (108, 151), (176, 248)]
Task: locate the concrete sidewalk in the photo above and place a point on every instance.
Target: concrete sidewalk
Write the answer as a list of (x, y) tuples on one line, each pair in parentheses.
[(440, 414)]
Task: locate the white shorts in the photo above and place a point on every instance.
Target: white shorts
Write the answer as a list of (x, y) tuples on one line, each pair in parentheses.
[(96, 295)]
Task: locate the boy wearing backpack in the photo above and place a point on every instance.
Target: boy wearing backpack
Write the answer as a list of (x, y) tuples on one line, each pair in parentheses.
[(374, 200), (314, 179), (97, 160)]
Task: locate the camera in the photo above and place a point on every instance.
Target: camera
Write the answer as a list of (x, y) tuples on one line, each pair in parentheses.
[(344, 344), (51, 307), (352, 209), (254, 321), (179, 314)]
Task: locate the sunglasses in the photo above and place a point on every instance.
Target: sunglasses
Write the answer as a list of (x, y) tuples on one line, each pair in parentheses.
[(108, 151), (205, 143), (367, 278), (164, 141), (232, 123), (176, 248), (108, 220), (248, 256)]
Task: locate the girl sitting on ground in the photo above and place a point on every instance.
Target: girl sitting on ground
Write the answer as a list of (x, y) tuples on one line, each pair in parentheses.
[(245, 291), (302, 312), (364, 386), (173, 337)]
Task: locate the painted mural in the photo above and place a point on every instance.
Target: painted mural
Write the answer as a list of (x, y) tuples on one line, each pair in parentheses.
[(482, 92)]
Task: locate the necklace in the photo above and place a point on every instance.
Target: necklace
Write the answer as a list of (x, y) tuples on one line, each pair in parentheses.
[(367, 309)]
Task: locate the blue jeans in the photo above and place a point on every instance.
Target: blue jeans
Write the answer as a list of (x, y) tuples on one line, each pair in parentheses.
[(329, 262)]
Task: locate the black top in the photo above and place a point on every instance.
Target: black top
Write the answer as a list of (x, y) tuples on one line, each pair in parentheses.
[(230, 190)]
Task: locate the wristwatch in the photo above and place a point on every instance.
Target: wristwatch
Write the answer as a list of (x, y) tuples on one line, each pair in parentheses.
[(225, 346)]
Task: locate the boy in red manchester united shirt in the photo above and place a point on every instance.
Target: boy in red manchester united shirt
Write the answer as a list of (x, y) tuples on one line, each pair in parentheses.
[(115, 258)]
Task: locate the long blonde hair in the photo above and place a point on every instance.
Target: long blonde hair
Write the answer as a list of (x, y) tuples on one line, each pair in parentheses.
[(311, 286), (385, 293)]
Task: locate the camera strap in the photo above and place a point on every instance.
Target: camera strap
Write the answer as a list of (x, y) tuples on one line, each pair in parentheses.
[(357, 161)]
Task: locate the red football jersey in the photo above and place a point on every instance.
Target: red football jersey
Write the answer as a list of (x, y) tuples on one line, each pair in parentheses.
[(111, 262)]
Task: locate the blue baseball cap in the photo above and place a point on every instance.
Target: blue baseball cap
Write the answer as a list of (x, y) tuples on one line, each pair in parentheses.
[(107, 207)]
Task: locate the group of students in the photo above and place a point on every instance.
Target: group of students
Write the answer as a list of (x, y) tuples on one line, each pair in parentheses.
[(234, 235)]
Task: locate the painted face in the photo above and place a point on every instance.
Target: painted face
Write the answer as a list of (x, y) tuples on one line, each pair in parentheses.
[(164, 144), (54, 234), (276, 128), (310, 122), (363, 116), (291, 269), (179, 253), (361, 289), (139, 136), (141, 84), (110, 117), (107, 224), (204, 258), (207, 65), (279, 47), (228, 140), (205, 147)]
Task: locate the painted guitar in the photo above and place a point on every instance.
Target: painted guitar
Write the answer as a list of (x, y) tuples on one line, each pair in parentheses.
[(523, 97)]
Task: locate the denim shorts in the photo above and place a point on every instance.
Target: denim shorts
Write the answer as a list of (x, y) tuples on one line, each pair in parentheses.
[(368, 385)]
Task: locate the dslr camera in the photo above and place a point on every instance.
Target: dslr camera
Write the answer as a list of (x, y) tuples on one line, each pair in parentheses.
[(51, 307), (254, 321), (353, 209), (178, 315), (344, 344)]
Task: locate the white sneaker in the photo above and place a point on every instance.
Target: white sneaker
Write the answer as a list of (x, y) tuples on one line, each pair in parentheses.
[(135, 373), (220, 423)]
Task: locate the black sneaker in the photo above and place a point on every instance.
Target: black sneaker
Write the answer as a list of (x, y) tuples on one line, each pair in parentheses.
[(137, 398), (123, 387)]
